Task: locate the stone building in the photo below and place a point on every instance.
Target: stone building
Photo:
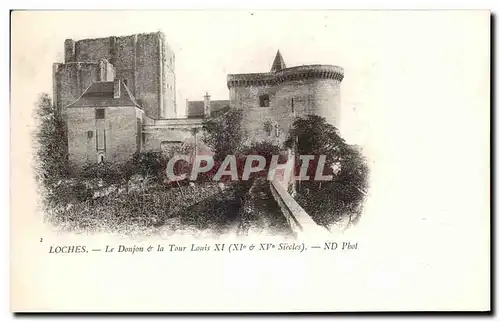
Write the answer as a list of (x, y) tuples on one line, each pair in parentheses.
[(270, 101), (117, 95), (104, 124), (144, 62), (205, 108)]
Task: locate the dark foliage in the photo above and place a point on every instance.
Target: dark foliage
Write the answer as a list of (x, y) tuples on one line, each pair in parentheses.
[(51, 164), (264, 149), (329, 201), (150, 164)]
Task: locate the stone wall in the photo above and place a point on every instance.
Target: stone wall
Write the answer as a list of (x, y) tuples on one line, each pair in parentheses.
[(167, 79), (254, 116), (310, 96), (148, 74), (153, 138), (156, 132), (82, 147), (293, 92), (123, 58), (71, 80), (144, 61), (116, 136)]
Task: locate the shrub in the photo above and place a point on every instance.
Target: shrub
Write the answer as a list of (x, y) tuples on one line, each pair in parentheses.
[(329, 201)]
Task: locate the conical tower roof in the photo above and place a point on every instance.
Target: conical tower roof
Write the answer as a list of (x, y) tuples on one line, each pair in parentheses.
[(278, 63)]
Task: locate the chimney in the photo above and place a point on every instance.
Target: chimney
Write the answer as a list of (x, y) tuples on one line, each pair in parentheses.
[(116, 88), (206, 105)]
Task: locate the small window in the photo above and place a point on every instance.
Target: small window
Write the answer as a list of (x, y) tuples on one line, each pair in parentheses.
[(101, 157), (125, 82), (264, 100), (99, 113), (90, 134)]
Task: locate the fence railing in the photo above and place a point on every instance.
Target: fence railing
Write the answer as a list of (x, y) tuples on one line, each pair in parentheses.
[(298, 219)]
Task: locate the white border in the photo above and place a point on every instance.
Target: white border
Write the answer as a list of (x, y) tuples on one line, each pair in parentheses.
[(149, 4)]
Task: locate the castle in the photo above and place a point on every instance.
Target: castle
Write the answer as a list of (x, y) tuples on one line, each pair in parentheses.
[(117, 95)]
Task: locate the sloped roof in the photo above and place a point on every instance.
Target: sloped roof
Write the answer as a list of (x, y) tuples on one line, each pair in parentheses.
[(101, 94), (197, 108), (278, 63)]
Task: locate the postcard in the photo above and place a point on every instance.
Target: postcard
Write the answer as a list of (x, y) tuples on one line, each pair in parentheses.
[(250, 161)]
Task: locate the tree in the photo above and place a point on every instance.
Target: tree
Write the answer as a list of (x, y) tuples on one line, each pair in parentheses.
[(224, 134), (329, 201), (50, 138), (264, 149), (105, 174), (312, 135)]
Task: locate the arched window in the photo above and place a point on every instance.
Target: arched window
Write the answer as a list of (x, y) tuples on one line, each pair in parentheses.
[(101, 157)]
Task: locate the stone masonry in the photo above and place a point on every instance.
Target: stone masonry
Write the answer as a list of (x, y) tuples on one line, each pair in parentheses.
[(144, 62), (117, 95), (270, 101)]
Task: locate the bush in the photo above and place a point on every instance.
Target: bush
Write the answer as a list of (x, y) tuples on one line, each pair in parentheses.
[(224, 134), (82, 192), (134, 211), (51, 164), (328, 202)]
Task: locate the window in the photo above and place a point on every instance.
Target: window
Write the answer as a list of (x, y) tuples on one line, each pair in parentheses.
[(99, 113), (264, 100), (90, 134), (101, 157), (125, 82)]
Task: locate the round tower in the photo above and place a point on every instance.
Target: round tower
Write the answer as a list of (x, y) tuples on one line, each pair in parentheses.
[(283, 94), (311, 89)]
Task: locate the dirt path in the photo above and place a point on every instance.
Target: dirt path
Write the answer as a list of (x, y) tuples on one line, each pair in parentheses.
[(261, 214)]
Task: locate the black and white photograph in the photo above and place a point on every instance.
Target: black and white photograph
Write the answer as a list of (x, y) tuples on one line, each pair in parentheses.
[(112, 134), (228, 153)]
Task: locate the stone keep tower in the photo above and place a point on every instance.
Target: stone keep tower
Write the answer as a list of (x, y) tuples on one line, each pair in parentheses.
[(144, 62), (270, 101)]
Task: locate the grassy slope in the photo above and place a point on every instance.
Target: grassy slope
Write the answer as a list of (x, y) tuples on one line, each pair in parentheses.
[(147, 211)]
